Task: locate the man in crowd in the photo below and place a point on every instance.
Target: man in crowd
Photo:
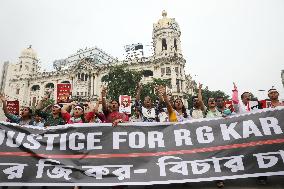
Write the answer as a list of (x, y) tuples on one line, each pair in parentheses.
[(221, 106), (243, 105), (273, 96), (198, 108)]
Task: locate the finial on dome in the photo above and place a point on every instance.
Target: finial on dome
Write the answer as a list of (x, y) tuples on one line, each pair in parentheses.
[(30, 46), (164, 13)]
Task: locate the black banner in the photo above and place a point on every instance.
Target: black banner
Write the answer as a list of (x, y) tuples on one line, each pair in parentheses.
[(248, 145)]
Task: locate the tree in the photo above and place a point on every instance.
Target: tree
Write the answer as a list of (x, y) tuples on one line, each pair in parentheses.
[(206, 93), (148, 89), (121, 81)]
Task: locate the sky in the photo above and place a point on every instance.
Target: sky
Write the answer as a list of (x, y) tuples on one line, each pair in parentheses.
[(223, 41)]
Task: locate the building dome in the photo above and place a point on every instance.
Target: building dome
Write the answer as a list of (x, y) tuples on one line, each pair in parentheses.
[(29, 53), (166, 22)]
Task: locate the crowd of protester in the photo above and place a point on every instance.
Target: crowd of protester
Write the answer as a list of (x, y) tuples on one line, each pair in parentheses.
[(166, 110)]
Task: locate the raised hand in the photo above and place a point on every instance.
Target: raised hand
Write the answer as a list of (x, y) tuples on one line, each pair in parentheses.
[(104, 92), (200, 86), (2, 97), (235, 86), (139, 86), (161, 90)]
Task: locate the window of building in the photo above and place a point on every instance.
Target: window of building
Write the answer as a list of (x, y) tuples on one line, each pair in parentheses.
[(162, 71), (175, 44), (17, 91), (168, 71), (86, 77), (178, 86), (86, 93), (35, 87), (147, 73), (79, 76), (176, 70), (78, 93), (164, 44), (82, 93)]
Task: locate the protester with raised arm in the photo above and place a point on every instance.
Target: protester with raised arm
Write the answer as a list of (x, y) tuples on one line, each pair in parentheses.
[(58, 115), (111, 111), (94, 116), (25, 117), (147, 112), (198, 108), (241, 106)]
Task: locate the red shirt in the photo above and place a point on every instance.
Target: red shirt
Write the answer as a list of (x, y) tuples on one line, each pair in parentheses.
[(111, 117)]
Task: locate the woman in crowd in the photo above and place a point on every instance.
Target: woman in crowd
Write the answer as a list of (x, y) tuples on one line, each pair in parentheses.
[(146, 111), (177, 112), (94, 116), (111, 111), (212, 111)]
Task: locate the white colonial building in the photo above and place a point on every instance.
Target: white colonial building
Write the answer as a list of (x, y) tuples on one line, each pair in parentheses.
[(84, 70)]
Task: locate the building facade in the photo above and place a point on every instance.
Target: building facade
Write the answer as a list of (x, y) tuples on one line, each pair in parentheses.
[(84, 69)]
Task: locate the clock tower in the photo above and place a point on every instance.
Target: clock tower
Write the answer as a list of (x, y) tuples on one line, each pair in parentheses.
[(166, 37)]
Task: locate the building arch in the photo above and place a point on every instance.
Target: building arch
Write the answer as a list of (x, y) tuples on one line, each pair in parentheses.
[(35, 88)]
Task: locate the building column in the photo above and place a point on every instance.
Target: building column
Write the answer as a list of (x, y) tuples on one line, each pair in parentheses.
[(173, 79)]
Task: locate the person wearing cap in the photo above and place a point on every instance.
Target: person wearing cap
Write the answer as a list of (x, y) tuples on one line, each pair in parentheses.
[(78, 113), (58, 115), (25, 117), (273, 96)]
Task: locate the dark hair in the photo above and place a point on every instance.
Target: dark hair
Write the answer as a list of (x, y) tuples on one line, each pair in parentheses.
[(194, 97), (30, 111), (242, 96), (183, 109), (40, 114), (83, 115), (209, 98), (115, 101), (218, 97)]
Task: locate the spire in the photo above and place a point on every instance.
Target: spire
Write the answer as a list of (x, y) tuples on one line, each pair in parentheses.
[(164, 13)]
